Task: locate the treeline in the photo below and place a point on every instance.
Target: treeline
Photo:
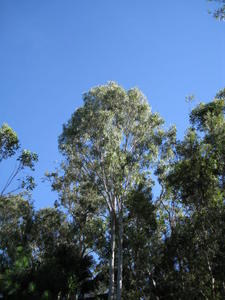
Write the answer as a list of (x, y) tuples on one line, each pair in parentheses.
[(108, 235)]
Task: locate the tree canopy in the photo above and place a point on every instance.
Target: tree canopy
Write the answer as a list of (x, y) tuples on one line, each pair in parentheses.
[(111, 235)]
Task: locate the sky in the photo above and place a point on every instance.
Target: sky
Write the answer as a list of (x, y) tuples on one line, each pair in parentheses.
[(52, 51)]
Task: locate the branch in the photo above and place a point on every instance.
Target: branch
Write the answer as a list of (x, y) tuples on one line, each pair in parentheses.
[(11, 177)]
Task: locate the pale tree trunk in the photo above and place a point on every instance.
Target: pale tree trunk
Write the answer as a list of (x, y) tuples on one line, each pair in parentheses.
[(120, 257), (112, 258), (212, 278)]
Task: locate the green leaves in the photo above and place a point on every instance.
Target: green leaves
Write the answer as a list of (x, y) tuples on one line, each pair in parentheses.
[(9, 145), (112, 138), (111, 143), (9, 142), (201, 115), (172, 248), (194, 206), (28, 159), (219, 12)]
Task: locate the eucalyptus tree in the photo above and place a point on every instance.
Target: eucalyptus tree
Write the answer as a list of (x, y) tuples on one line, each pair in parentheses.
[(139, 233), (59, 269), (111, 142), (83, 208), (16, 213), (196, 182), (9, 147), (9, 142), (15, 225), (39, 257)]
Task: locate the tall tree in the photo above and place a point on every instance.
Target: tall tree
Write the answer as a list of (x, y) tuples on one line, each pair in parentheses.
[(196, 184), (112, 142)]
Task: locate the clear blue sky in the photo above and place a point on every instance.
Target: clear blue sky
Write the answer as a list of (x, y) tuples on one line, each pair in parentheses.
[(51, 51)]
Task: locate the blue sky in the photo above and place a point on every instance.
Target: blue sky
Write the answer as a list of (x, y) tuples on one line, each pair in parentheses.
[(52, 51)]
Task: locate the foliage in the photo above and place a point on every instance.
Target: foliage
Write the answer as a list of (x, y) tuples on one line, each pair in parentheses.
[(9, 146), (39, 258), (9, 142), (171, 245), (219, 12), (111, 144)]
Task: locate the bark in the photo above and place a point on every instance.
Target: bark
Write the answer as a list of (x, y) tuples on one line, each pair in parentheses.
[(112, 258), (120, 258), (212, 278)]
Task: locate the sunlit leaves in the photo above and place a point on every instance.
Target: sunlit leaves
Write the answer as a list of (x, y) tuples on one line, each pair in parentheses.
[(9, 142), (9, 146)]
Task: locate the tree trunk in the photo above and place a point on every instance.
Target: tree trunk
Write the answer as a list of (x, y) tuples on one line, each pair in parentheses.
[(120, 257), (112, 258)]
